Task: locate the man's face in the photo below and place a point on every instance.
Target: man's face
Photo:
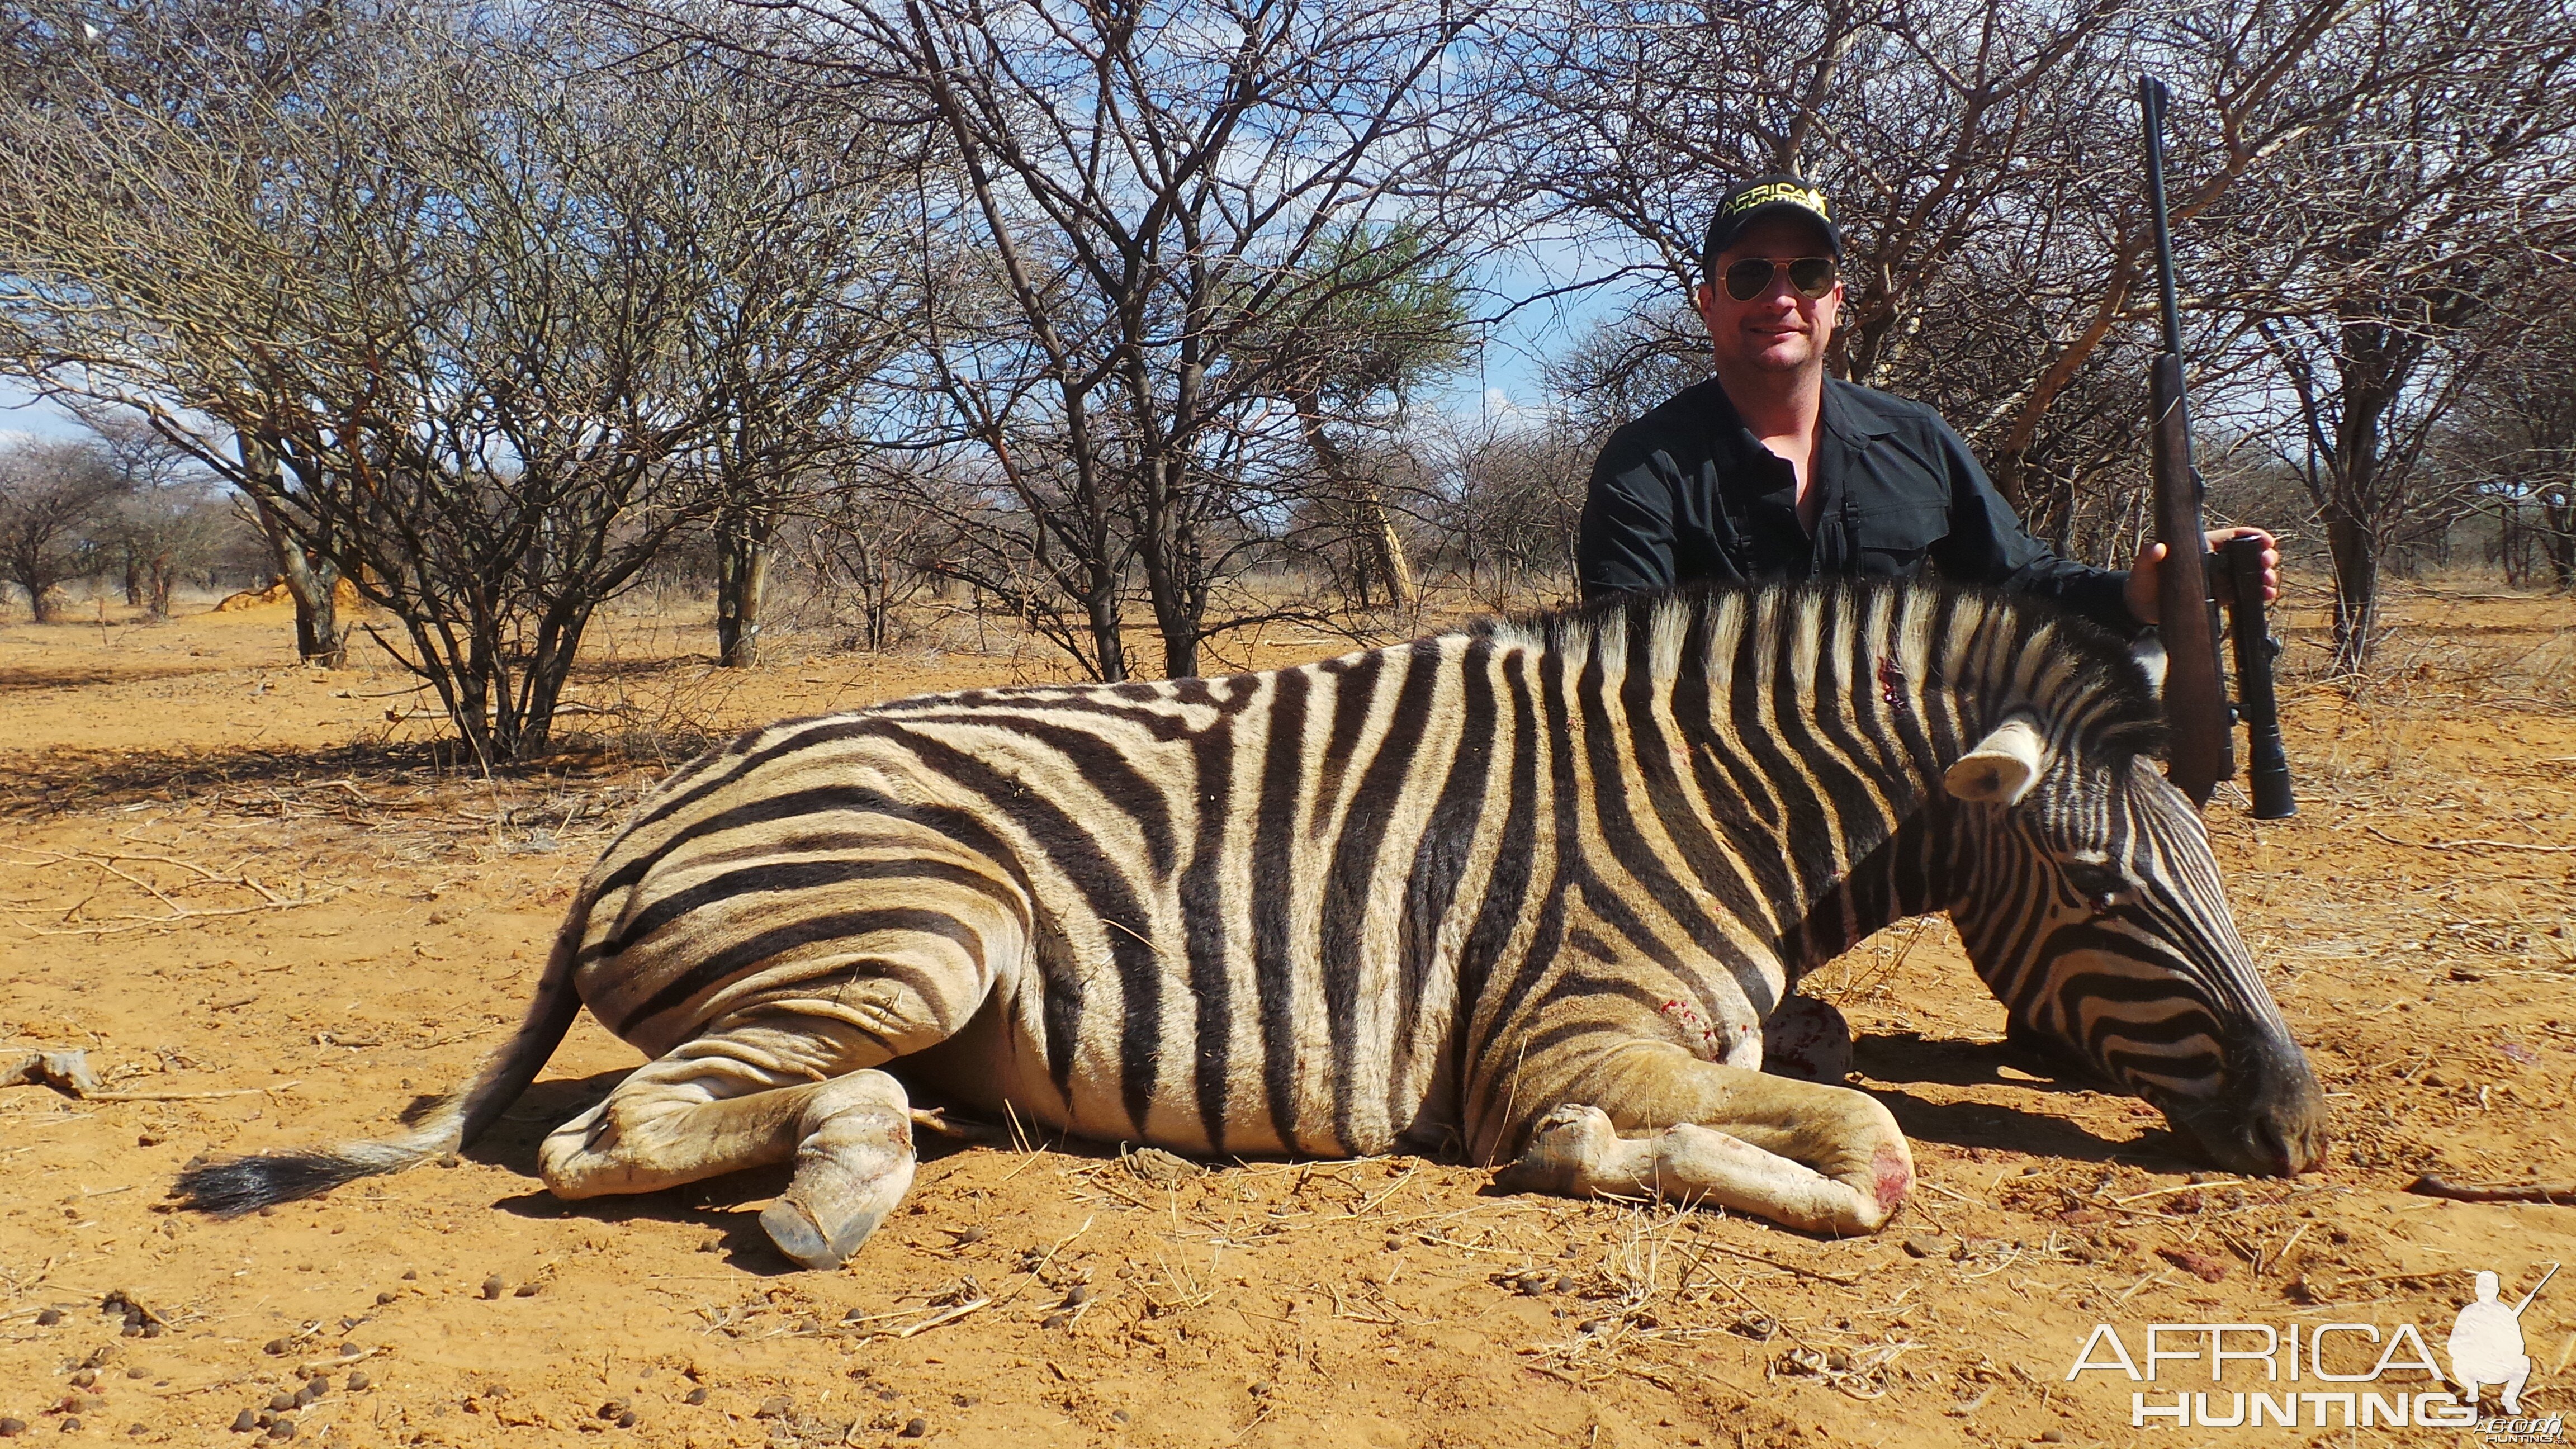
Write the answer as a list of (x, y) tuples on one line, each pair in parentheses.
[(1777, 331)]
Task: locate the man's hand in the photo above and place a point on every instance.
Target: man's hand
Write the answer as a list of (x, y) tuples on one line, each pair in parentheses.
[(2141, 595)]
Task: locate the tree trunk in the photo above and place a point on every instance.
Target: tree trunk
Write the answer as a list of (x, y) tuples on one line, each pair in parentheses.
[(1381, 547), (1386, 546), (2558, 536), (501, 702), (1180, 651), (742, 583), (2370, 371), (161, 580), (133, 578), (1167, 587), (871, 578), (2355, 550), (549, 669), (1102, 609), (877, 599), (320, 640)]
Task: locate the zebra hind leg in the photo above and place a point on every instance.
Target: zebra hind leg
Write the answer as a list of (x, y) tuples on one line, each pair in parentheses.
[(749, 1098), (854, 1162), (1578, 1152), (1807, 1039)]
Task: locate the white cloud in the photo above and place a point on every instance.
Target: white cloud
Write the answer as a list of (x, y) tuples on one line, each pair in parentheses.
[(1500, 408)]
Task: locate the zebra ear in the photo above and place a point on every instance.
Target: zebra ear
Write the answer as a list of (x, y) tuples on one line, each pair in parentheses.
[(2003, 766), (2149, 651)]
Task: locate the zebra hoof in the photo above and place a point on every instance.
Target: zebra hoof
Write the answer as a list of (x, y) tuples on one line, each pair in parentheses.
[(1574, 1152), (792, 1226)]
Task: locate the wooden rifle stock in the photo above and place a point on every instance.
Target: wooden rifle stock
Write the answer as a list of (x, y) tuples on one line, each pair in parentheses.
[(2195, 696), (2203, 751)]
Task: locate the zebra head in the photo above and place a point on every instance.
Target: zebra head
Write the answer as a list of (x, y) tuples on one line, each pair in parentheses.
[(2089, 901)]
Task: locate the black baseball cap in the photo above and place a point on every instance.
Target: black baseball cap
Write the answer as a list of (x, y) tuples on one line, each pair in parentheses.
[(1774, 195)]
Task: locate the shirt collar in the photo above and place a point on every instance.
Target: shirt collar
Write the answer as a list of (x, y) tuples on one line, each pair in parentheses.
[(1841, 413), (1846, 419)]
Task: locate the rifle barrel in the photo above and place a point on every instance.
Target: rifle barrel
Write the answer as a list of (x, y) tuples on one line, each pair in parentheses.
[(2535, 1290), (2204, 743), (2151, 109)]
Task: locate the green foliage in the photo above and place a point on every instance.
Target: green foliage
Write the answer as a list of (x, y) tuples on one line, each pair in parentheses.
[(1385, 313)]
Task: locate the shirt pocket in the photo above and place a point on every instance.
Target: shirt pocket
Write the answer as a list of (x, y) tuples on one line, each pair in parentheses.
[(1896, 538)]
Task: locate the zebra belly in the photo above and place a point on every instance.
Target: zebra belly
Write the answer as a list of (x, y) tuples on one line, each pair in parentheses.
[(1170, 1019), (1001, 1071)]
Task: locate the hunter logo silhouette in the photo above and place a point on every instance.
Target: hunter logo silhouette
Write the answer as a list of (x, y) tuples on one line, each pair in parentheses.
[(2486, 1342)]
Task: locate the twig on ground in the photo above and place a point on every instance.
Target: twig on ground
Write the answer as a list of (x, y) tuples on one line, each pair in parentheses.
[(1365, 1207), (108, 863), (945, 1315), (1032, 1275), (2555, 1194), (1952, 1193), (2177, 1187), (1822, 1277), (181, 1096), (2467, 844)]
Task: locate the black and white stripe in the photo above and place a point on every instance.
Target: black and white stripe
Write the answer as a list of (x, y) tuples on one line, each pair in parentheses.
[(1384, 900)]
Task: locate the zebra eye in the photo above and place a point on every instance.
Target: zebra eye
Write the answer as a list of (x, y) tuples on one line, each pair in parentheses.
[(2099, 883)]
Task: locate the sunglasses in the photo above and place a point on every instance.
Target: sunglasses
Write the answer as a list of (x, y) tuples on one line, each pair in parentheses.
[(1809, 277)]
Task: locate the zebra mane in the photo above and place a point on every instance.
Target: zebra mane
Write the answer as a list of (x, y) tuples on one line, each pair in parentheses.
[(2076, 674)]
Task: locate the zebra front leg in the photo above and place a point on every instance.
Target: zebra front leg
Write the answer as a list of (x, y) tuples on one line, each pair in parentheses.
[(1819, 1158)]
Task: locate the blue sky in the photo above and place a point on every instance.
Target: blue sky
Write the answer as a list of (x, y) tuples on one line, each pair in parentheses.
[(1503, 381), (1506, 379), (22, 412)]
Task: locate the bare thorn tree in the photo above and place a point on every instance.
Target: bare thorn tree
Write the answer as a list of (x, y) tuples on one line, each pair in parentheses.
[(1143, 201), (2370, 273), (2513, 437), (56, 502), (167, 518), (477, 312)]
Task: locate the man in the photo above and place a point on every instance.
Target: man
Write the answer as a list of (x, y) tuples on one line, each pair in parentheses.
[(1772, 468)]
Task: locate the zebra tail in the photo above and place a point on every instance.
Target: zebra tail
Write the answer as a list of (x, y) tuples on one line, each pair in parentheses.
[(237, 1185)]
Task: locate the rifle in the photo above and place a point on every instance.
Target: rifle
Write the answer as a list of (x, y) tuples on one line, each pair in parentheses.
[(2535, 1290), (2195, 682)]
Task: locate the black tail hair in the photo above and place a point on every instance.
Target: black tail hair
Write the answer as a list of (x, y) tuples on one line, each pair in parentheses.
[(238, 1185)]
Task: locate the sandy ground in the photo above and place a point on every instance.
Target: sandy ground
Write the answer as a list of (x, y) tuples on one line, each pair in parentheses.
[(271, 918)]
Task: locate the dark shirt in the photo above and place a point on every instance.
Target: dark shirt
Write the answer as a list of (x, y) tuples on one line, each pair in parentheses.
[(1688, 493)]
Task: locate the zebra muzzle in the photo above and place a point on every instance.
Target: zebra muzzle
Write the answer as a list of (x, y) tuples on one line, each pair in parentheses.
[(2267, 1118)]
